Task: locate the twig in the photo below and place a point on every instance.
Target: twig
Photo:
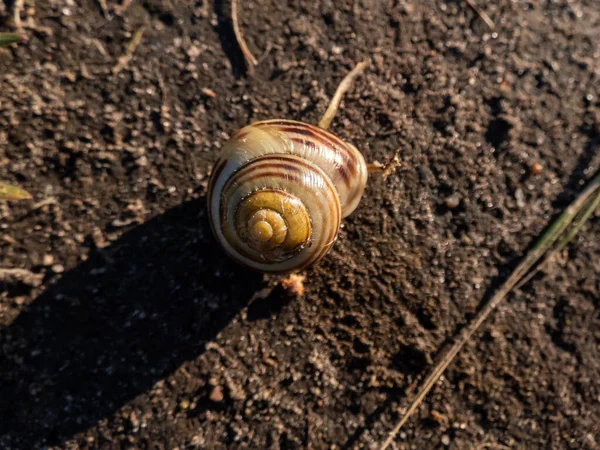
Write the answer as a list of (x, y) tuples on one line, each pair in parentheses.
[(45, 202), (29, 23), (344, 87), (24, 276), (491, 445), (104, 8), (133, 44), (120, 9), (489, 22), (266, 52), (251, 62), (590, 196), (164, 106), (18, 7)]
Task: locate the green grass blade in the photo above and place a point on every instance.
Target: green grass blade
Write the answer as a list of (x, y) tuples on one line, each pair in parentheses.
[(8, 192), (587, 212), (7, 39), (590, 202)]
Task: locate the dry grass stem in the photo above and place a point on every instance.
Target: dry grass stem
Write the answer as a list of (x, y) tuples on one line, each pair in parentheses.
[(133, 44), (344, 87), (491, 446), (164, 104), (104, 8), (489, 22), (251, 61), (18, 7), (582, 207), (265, 53), (375, 167)]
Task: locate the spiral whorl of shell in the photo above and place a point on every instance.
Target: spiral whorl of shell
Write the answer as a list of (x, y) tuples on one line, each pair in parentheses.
[(279, 191)]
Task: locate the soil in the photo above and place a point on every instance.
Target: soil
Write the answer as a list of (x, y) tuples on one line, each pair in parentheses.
[(140, 333)]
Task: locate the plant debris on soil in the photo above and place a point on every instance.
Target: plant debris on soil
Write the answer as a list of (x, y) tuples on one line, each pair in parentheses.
[(124, 325)]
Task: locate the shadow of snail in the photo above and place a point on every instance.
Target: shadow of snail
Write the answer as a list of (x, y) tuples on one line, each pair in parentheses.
[(115, 325)]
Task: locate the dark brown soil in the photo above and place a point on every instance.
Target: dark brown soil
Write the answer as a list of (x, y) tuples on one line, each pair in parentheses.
[(142, 335)]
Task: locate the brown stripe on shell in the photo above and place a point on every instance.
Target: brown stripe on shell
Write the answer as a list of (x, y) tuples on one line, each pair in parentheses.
[(251, 170), (321, 136), (216, 171), (241, 134), (277, 161), (277, 121), (306, 129), (330, 241), (251, 176), (265, 123), (264, 170), (340, 168), (324, 136), (314, 129), (276, 167)]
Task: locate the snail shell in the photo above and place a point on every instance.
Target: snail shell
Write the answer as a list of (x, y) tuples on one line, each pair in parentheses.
[(279, 191)]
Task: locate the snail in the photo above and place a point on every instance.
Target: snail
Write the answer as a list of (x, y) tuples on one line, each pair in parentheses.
[(280, 189)]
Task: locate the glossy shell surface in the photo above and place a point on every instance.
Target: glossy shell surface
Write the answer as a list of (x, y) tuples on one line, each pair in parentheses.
[(291, 169)]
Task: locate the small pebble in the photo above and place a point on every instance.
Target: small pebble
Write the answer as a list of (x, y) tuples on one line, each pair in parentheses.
[(520, 198), (208, 92), (294, 285), (58, 268), (336, 50), (216, 394), (455, 100), (446, 440), (47, 260), (452, 202), (184, 404), (536, 168), (193, 52), (134, 420)]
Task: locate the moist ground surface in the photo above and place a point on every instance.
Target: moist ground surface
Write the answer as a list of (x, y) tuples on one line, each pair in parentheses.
[(136, 331)]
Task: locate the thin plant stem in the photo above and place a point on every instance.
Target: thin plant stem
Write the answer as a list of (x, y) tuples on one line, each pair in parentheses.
[(344, 87), (131, 47), (489, 22), (592, 204), (251, 61), (17, 8), (543, 244)]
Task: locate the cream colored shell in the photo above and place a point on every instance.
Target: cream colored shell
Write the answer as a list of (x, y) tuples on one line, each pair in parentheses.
[(279, 191)]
